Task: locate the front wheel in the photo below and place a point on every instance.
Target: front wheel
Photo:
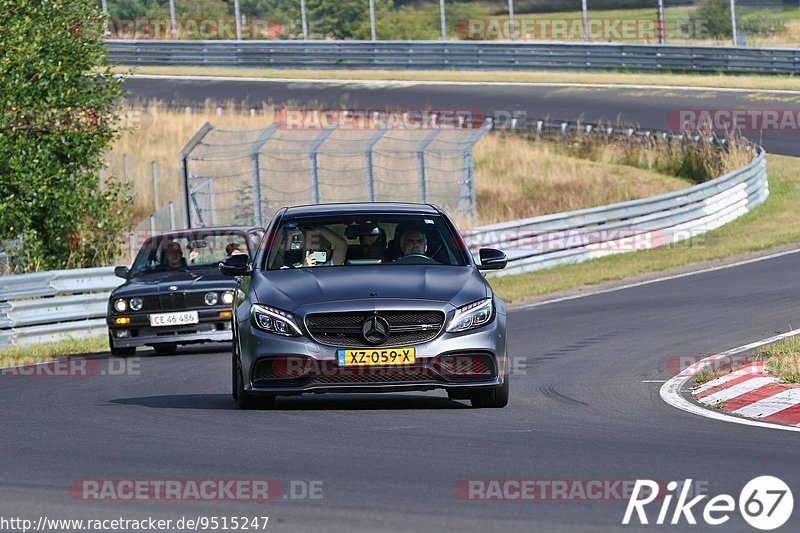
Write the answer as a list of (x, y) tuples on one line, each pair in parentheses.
[(118, 351), (246, 400), (165, 349), (493, 398)]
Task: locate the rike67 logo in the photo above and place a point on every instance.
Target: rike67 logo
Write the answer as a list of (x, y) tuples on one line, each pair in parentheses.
[(765, 503)]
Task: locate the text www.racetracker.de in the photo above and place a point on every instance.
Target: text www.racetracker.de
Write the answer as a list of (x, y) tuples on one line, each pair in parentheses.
[(198, 523)]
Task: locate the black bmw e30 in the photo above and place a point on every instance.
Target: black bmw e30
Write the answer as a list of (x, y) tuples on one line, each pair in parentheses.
[(174, 293)]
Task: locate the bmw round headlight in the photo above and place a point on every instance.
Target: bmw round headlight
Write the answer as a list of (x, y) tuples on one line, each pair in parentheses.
[(227, 298), (136, 304), (120, 306), (211, 298)]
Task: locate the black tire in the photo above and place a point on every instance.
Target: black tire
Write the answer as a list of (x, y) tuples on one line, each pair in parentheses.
[(118, 351), (165, 349), (494, 398), (234, 378), (458, 395), (247, 401)]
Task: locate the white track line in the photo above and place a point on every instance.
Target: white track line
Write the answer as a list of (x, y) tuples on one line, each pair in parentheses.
[(737, 390), (402, 83), (657, 280), (771, 405), (671, 390)]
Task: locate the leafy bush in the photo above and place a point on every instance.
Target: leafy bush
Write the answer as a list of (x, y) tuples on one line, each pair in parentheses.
[(59, 110), (419, 22), (715, 17)]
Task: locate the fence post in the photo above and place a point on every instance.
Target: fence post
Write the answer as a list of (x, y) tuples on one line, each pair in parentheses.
[(258, 214), (238, 16), (662, 28), (152, 225), (104, 6), (172, 19), (315, 192), (372, 20), (511, 25), (303, 19), (368, 156), (184, 166), (733, 23), (125, 175), (154, 169), (442, 20), (171, 215), (585, 16), (423, 186)]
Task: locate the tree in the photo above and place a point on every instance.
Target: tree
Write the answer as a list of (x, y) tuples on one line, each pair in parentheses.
[(59, 107)]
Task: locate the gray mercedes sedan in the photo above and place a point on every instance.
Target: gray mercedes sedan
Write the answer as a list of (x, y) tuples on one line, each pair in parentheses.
[(366, 297)]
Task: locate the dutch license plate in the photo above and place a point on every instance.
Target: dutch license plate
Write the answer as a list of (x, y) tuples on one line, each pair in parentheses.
[(174, 319), (382, 357)]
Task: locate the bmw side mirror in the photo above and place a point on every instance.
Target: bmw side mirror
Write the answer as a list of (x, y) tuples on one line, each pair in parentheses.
[(492, 259), (122, 272), (236, 265)]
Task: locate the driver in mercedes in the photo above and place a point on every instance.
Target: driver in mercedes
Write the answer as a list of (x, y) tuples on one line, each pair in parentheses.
[(413, 241)]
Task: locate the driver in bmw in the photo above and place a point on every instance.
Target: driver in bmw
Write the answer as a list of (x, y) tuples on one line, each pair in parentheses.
[(413, 241)]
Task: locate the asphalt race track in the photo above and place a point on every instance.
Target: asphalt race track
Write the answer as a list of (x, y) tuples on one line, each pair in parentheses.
[(579, 411), (585, 396), (645, 107)]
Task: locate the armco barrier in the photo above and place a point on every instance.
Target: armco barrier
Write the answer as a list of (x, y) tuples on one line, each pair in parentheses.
[(455, 55), (53, 305), (576, 236)]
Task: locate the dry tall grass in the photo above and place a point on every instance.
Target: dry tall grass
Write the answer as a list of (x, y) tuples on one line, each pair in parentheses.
[(515, 177)]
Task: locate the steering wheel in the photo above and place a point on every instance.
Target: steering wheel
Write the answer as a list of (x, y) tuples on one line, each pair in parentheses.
[(411, 258)]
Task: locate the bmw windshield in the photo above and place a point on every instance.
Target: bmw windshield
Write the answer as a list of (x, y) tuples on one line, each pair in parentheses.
[(303, 242)]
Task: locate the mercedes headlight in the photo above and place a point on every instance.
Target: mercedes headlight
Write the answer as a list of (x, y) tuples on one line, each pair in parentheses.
[(472, 316), (274, 321)]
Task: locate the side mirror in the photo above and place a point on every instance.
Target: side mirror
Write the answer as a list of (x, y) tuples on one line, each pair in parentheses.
[(236, 265), (122, 272), (492, 259)]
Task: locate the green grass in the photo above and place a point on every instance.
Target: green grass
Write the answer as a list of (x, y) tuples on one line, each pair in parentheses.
[(721, 81), (704, 377), (23, 355), (783, 359), (772, 224)]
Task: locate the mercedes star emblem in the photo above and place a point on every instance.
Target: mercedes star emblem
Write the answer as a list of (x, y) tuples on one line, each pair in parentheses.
[(375, 330)]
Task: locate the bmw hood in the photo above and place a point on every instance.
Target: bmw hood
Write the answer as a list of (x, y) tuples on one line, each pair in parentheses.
[(292, 288), (184, 281)]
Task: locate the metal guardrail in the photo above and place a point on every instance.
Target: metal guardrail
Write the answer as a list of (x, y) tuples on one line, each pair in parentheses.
[(666, 219), (51, 306), (446, 55)]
